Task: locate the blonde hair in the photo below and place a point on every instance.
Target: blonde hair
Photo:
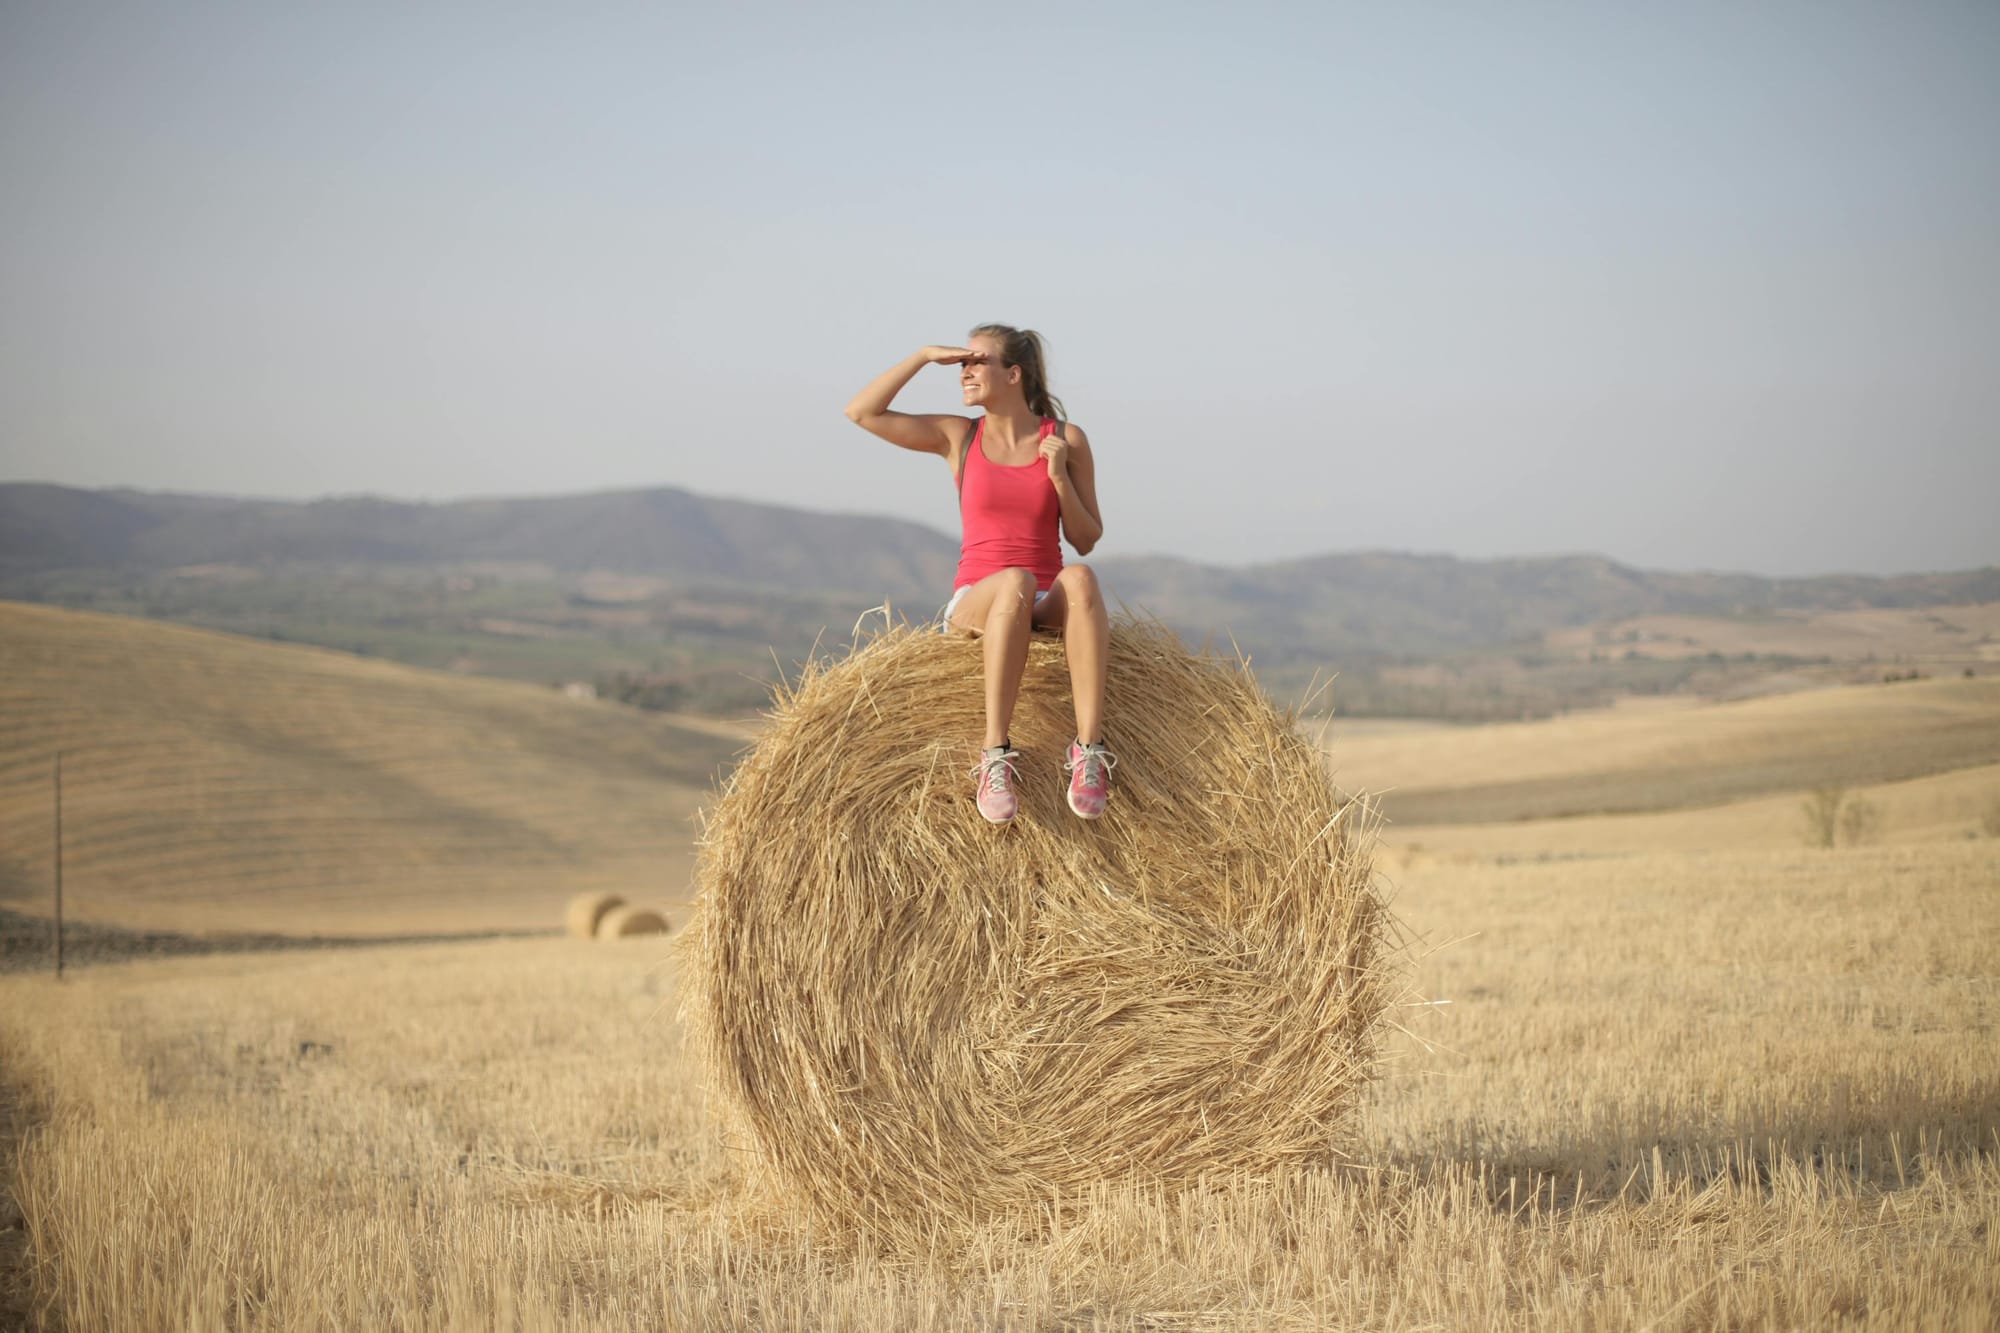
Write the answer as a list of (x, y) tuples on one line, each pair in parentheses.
[(1023, 348)]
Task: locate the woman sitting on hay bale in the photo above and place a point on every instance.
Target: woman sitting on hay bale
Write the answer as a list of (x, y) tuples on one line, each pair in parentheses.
[(1024, 476)]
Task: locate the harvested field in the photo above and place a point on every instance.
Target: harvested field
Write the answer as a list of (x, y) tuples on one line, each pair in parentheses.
[(213, 782), (1944, 807), (1640, 761), (1672, 1071), (1751, 1090), (1938, 637)]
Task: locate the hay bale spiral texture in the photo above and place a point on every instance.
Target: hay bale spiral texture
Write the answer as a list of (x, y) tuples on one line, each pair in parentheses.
[(917, 1020), (586, 910), (622, 922)]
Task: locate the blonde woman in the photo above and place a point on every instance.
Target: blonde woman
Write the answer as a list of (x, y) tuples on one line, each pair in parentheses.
[(1025, 477)]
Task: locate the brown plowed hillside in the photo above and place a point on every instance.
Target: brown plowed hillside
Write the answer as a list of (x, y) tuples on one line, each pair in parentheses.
[(213, 782), (1675, 758)]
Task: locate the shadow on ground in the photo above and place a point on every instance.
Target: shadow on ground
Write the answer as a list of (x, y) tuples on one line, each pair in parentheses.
[(1887, 1147)]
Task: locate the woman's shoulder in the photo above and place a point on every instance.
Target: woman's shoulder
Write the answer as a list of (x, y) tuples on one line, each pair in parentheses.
[(1071, 431), (960, 432)]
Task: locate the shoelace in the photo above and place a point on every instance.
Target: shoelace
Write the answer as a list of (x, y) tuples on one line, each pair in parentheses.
[(997, 769), (1095, 761)]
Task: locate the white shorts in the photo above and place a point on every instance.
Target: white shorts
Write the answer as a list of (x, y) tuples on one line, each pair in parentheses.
[(958, 595)]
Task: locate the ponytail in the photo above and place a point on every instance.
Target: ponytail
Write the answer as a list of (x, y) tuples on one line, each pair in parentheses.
[(1023, 348)]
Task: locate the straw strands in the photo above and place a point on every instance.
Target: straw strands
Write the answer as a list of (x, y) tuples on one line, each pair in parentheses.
[(621, 922), (586, 910), (919, 1021)]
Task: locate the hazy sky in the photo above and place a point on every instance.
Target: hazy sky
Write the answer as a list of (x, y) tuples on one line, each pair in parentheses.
[(1693, 285)]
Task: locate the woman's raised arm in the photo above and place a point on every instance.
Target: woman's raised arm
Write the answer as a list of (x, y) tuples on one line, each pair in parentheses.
[(922, 431)]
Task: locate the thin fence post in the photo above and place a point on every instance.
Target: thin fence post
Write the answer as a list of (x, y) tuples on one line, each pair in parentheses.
[(59, 861)]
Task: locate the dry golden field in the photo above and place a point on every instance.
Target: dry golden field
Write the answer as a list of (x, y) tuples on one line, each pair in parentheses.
[(1938, 638), (1653, 759), (1669, 1070), (1754, 1090), (213, 782)]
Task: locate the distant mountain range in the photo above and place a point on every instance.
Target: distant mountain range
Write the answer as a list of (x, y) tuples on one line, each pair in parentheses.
[(1421, 605), (663, 531), (1345, 610)]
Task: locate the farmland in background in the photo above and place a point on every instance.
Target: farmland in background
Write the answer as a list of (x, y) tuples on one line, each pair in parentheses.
[(213, 782), (1665, 1068), (1637, 760), (686, 603)]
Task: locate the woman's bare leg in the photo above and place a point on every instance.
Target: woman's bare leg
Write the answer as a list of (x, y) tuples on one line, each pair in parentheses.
[(1000, 609), (1076, 604)]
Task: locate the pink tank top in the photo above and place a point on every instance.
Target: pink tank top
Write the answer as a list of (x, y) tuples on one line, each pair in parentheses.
[(1012, 516)]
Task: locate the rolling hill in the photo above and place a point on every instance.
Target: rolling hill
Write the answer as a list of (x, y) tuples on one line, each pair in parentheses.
[(217, 783), (661, 531), (1375, 601), (1637, 761), (213, 782), (677, 595)]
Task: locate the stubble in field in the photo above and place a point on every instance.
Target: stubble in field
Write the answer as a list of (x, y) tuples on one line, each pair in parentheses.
[(1747, 1090)]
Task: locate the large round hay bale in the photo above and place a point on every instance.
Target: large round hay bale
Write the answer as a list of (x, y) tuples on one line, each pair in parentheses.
[(620, 922), (918, 1020), (586, 910)]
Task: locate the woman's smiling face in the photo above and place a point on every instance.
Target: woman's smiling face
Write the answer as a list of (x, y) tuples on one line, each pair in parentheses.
[(983, 379)]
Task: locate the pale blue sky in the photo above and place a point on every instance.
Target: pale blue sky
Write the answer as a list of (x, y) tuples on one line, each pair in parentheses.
[(1693, 285)]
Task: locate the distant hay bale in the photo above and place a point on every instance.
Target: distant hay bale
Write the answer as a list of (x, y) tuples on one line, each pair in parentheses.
[(919, 1021), (586, 910), (621, 922)]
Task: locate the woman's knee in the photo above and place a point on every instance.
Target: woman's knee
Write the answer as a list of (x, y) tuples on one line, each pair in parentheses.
[(1080, 582), (1014, 593)]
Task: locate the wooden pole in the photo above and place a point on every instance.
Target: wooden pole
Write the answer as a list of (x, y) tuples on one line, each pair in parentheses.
[(59, 859)]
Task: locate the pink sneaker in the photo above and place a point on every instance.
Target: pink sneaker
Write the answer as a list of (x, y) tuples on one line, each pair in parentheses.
[(994, 793), (1090, 778)]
